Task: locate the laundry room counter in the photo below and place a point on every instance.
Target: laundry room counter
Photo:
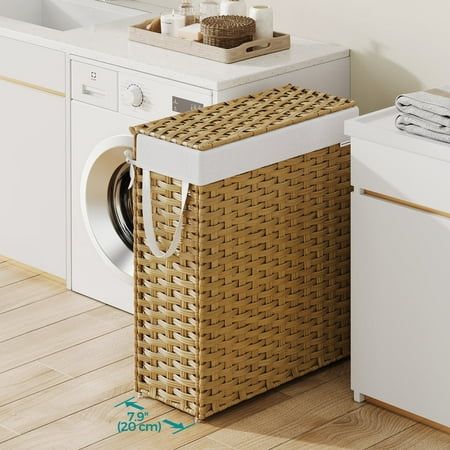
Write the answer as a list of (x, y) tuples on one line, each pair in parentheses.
[(109, 43)]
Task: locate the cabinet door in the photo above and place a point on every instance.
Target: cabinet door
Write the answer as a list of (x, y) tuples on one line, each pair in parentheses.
[(401, 306), (32, 177)]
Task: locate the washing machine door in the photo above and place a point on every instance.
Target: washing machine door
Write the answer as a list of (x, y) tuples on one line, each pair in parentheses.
[(106, 203)]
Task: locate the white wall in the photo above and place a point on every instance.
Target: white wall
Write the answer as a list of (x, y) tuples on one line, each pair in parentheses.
[(164, 3), (397, 45)]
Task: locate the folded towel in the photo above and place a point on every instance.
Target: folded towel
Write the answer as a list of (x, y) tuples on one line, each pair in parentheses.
[(421, 127), (432, 105), (410, 119)]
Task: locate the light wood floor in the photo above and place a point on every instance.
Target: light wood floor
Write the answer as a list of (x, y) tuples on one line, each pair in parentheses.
[(66, 361)]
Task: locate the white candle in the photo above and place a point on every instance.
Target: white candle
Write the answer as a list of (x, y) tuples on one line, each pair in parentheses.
[(263, 16), (171, 23)]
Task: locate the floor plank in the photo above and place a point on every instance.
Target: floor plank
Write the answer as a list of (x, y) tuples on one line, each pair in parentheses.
[(26, 380), (61, 335), (359, 429), (66, 364), (9, 273), (282, 422), (6, 434), (37, 315), (68, 398), (207, 443), (83, 428), (28, 291), (93, 354), (418, 437), (167, 441)]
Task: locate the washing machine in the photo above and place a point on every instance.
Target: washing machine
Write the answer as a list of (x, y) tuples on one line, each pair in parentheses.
[(105, 101)]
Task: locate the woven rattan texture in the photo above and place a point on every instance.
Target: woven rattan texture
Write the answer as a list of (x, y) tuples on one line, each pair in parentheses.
[(258, 293), (227, 31), (245, 117), (228, 26), (226, 42)]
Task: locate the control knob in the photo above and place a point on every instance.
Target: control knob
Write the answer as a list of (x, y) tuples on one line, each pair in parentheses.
[(133, 96)]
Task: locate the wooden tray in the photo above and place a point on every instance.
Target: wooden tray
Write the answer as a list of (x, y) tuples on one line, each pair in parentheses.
[(279, 42)]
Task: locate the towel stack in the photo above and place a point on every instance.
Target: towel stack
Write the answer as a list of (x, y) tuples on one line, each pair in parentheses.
[(425, 113)]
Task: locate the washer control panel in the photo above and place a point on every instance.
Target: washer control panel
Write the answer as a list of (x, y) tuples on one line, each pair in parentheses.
[(150, 98), (181, 105), (133, 93), (94, 85)]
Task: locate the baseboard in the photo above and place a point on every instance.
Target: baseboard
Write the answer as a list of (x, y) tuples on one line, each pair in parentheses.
[(37, 271), (408, 415)]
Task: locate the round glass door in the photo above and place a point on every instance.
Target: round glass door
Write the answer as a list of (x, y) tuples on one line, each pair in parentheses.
[(120, 204), (106, 203)]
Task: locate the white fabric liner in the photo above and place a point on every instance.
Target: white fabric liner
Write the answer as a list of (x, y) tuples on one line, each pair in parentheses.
[(204, 167)]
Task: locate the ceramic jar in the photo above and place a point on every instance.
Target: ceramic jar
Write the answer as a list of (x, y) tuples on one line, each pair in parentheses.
[(263, 16), (208, 9), (233, 8)]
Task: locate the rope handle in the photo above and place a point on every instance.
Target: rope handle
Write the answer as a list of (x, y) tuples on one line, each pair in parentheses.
[(151, 241), (147, 212)]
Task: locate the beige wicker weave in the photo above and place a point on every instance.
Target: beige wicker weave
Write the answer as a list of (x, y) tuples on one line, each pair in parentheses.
[(258, 293), (227, 31)]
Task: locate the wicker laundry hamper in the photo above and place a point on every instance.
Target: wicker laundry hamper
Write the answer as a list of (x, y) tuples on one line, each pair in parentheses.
[(257, 292)]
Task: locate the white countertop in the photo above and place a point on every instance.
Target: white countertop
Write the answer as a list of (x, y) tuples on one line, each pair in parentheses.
[(379, 127), (109, 43)]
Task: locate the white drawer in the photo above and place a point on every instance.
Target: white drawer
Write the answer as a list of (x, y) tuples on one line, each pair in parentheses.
[(95, 85), (37, 66), (401, 174)]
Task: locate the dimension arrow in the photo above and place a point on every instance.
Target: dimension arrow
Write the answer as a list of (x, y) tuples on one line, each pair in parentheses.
[(177, 426), (130, 403)]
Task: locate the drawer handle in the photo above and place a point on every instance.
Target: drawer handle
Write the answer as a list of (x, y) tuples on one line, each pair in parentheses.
[(36, 87), (93, 92), (406, 203)]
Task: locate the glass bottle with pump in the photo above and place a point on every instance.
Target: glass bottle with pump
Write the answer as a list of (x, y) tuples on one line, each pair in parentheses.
[(187, 9)]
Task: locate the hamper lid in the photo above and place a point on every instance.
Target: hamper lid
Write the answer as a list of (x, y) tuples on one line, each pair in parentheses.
[(242, 118)]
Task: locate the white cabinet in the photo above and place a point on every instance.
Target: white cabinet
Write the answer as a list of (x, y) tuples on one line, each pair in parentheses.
[(32, 152), (39, 66), (401, 307), (400, 269)]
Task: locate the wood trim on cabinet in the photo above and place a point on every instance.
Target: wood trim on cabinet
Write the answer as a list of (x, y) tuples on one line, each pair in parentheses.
[(406, 203), (408, 415), (36, 87)]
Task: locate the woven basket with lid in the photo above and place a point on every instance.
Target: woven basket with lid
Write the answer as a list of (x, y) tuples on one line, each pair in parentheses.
[(227, 31), (258, 292)]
